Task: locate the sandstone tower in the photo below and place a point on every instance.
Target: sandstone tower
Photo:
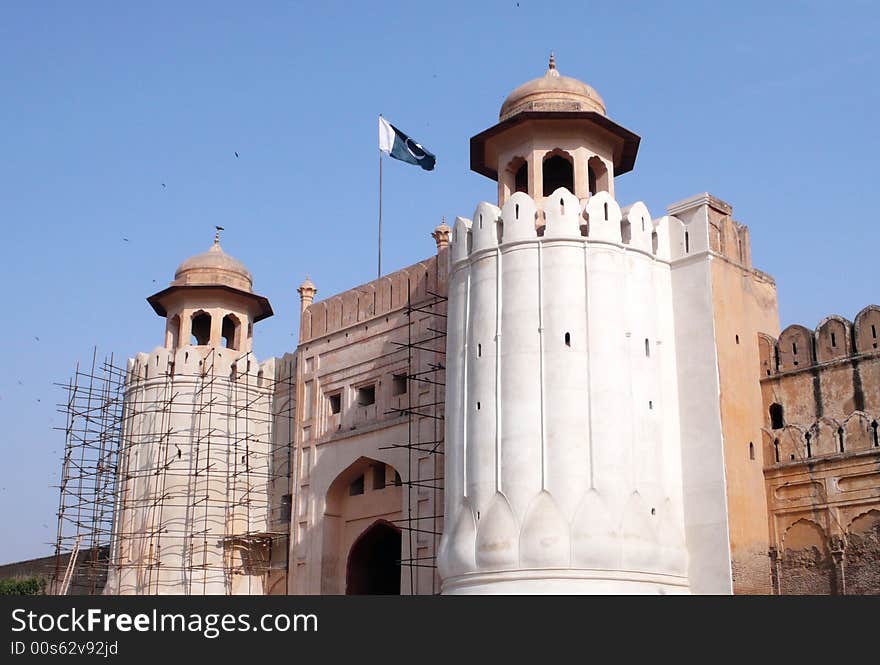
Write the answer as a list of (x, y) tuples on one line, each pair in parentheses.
[(192, 497)]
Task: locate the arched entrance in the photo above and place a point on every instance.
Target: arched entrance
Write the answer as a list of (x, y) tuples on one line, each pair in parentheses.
[(365, 496), (374, 561)]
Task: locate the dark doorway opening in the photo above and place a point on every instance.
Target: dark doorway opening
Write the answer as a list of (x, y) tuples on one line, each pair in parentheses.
[(558, 172), (374, 562)]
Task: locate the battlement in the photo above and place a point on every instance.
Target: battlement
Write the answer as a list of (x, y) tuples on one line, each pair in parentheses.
[(723, 235), (389, 293), (701, 228), (239, 366), (834, 339)]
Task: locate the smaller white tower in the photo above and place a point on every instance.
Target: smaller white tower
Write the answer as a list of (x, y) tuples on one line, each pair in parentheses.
[(193, 472)]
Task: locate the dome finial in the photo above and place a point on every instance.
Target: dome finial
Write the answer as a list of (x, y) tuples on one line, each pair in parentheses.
[(552, 60), (217, 234)]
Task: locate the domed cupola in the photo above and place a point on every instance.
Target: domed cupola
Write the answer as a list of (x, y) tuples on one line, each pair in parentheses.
[(211, 302), (553, 132), (552, 92), (214, 267)]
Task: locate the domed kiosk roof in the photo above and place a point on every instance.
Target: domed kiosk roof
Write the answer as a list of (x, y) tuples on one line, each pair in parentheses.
[(557, 99), (214, 269), (552, 92)]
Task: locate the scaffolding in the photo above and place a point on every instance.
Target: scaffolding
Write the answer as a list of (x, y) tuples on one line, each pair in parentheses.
[(426, 370), (176, 474)]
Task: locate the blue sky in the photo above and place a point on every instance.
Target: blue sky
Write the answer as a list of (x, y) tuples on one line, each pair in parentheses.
[(769, 106)]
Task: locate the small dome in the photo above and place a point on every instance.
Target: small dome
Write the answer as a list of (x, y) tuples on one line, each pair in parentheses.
[(213, 267), (552, 92)]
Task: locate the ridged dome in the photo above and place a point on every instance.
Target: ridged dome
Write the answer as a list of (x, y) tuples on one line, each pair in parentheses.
[(213, 267), (552, 92)]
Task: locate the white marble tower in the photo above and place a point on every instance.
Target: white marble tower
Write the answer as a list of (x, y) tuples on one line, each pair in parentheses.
[(563, 460)]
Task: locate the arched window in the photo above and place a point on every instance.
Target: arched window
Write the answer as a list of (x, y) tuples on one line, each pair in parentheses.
[(776, 419), (516, 176), (558, 171), (172, 335), (231, 332), (597, 174), (521, 178), (201, 329)]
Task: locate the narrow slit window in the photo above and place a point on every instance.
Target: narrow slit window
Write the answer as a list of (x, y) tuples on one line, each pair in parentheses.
[(751, 450), (687, 242), (833, 340), (647, 348), (568, 339)]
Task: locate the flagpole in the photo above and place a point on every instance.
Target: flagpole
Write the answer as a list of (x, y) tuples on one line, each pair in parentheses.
[(379, 272)]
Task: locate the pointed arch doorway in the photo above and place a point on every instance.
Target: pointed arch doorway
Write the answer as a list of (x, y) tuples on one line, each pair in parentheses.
[(374, 561)]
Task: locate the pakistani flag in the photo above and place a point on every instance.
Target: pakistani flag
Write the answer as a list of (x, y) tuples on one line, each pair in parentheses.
[(394, 142)]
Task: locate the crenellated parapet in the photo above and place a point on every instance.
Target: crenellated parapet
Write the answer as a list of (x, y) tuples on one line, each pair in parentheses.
[(195, 472), (563, 461), (390, 293), (562, 216), (163, 364), (834, 339)]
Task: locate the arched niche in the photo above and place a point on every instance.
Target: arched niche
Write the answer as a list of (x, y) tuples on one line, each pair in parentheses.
[(862, 554), (172, 332), (231, 332), (598, 179), (200, 328), (806, 566)]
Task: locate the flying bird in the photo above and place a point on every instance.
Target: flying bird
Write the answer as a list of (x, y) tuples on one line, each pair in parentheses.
[(163, 185), (125, 239), (236, 155), (36, 338)]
